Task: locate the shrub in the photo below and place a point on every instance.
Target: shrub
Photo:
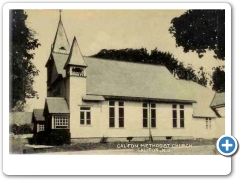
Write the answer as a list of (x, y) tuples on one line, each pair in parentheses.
[(25, 129), (58, 137), (21, 129), (103, 140), (168, 137), (13, 128), (129, 139), (39, 138)]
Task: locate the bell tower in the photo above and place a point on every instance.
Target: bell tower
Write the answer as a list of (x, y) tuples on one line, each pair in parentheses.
[(75, 76)]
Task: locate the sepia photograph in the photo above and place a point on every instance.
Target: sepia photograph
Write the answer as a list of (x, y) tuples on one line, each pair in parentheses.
[(116, 82)]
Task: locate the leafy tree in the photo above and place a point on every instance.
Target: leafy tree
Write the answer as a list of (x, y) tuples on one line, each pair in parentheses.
[(218, 78), (203, 80), (22, 69), (199, 31)]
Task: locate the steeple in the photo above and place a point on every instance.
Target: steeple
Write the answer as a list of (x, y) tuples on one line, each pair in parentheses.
[(60, 43), (75, 57)]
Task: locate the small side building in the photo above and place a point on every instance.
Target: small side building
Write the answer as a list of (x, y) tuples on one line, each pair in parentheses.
[(38, 120)]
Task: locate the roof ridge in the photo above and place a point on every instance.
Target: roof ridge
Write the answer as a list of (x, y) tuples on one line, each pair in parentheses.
[(124, 61)]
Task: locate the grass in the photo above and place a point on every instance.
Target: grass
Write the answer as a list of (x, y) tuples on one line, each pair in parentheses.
[(198, 147), (16, 146)]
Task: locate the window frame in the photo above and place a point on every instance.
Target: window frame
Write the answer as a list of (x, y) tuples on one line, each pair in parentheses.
[(182, 116), (208, 123), (174, 119), (145, 119), (153, 108), (41, 127), (121, 118), (58, 122), (112, 116), (85, 110)]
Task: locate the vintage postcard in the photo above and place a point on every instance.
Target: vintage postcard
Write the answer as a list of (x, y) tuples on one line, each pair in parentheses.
[(128, 81)]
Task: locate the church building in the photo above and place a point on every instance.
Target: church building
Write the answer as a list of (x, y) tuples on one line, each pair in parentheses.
[(93, 98)]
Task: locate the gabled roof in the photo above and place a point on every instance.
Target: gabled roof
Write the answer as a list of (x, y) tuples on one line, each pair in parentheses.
[(56, 105), (218, 100), (60, 43), (59, 61), (202, 95), (125, 79), (75, 56), (20, 118), (38, 114)]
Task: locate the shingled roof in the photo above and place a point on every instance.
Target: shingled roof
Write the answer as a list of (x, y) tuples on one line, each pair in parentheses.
[(218, 100), (111, 78), (56, 105), (60, 43), (202, 95), (125, 79), (75, 56), (38, 114), (60, 60)]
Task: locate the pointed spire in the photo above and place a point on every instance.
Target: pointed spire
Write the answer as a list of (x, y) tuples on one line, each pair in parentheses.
[(75, 56), (60, 13), (61, 44)]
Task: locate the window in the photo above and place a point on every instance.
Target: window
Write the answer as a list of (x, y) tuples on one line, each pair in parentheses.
[(121, 114), (174, 115), (85, 116), (62, 48), (78, 71), (41, 127), (149, 111), (61, 122), (182, 116), (208, 123), (178, 112), (111, 114), (153, 115), (145, 114)]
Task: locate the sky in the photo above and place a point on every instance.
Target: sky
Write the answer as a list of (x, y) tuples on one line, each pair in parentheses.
[(107, 29)]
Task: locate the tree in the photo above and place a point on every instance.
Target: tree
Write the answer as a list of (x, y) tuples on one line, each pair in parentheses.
[(22, 69), (203, 80), (199, 31), (218, 78)]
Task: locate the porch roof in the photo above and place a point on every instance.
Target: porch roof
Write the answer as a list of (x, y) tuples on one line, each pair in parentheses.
[(57, 105), (93, 98)]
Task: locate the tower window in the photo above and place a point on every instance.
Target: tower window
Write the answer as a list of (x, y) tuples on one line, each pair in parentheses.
[(78, 71), (62, 48)]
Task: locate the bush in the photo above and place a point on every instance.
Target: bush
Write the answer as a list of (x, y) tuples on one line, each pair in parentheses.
[(13, 128), (56, 137), (59, 137), (21, 129), (103, 140), (39, 138), (129, 139)]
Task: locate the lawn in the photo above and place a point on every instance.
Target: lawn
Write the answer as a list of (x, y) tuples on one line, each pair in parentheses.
[(167, 147), (16, 146)]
